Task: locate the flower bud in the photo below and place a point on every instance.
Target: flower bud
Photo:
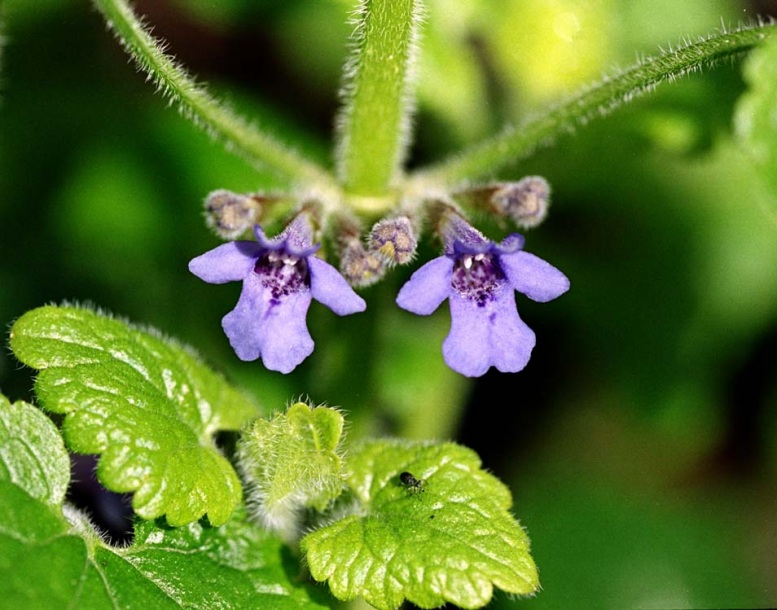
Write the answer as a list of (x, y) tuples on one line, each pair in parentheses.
[(394, 240), (359, 266), (230, 214), (525, 201)]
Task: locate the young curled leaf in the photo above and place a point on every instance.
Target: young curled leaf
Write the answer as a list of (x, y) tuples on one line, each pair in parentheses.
[(430, 526), (292, 462), (145, 403)]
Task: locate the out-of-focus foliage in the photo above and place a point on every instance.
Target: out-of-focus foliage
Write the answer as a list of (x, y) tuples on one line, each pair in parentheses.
[(756, 116), (639, 440)]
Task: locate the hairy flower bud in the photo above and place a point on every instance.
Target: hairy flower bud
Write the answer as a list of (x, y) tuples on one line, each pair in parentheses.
[(230, 214), (360, 266), (525, 201), (394, 240)]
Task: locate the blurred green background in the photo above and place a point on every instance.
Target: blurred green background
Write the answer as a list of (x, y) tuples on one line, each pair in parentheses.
[(640, 442)]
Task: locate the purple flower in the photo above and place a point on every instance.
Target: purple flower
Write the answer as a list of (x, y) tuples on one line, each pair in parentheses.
[(280, 276), (478, 277)]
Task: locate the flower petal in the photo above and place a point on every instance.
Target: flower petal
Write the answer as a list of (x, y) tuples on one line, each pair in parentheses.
[(330, 288), (286, 340), (260, 326), (537, 279), (227, 263), (428, 287), (491, 335)]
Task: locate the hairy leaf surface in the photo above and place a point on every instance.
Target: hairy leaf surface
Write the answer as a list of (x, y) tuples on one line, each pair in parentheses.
[(147, 404), (51, 557), (444, 535), (291, 462)]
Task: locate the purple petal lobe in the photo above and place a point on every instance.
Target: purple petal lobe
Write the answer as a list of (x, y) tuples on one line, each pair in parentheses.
[(285, 338), (226, 263), (428, 287), (263, 326), (511, 243), (487, 335), (537, 279), (330, 288)]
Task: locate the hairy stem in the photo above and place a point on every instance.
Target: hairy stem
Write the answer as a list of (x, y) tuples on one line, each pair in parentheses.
[(374, 126), (515, 143), (198, 105)]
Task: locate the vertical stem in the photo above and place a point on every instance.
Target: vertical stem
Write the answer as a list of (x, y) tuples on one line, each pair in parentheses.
[(374, 126)]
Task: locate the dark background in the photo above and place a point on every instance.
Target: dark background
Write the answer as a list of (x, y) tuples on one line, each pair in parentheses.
[(640, 440)]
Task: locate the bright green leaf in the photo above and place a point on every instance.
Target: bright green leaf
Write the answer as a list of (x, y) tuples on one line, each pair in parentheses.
[(291, 462), (147, 404), (755, 118), (451, 538), (51, 559), (32, 454)]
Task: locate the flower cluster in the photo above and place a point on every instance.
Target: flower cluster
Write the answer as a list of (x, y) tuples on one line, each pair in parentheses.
[(477, 276)]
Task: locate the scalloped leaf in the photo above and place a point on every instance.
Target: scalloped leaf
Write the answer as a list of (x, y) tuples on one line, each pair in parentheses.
[(237, 565), (444, 535), (53, 560), (48, 562), (291, 462), (42, 473), (146, 403)]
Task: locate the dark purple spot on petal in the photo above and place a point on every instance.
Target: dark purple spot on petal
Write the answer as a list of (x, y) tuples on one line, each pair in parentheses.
[(282, 273), (477, 277)]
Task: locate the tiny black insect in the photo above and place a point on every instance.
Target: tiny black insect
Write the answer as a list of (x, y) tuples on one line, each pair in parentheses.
[(413, 484)]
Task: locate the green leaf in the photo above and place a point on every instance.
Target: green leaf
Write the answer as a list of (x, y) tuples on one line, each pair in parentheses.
[(147, 404), (47, 563), (32, 454), (53, 560), (451, 538), (375, 122), (234, 566), (39, 562), (755, 119), (291, 462)]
